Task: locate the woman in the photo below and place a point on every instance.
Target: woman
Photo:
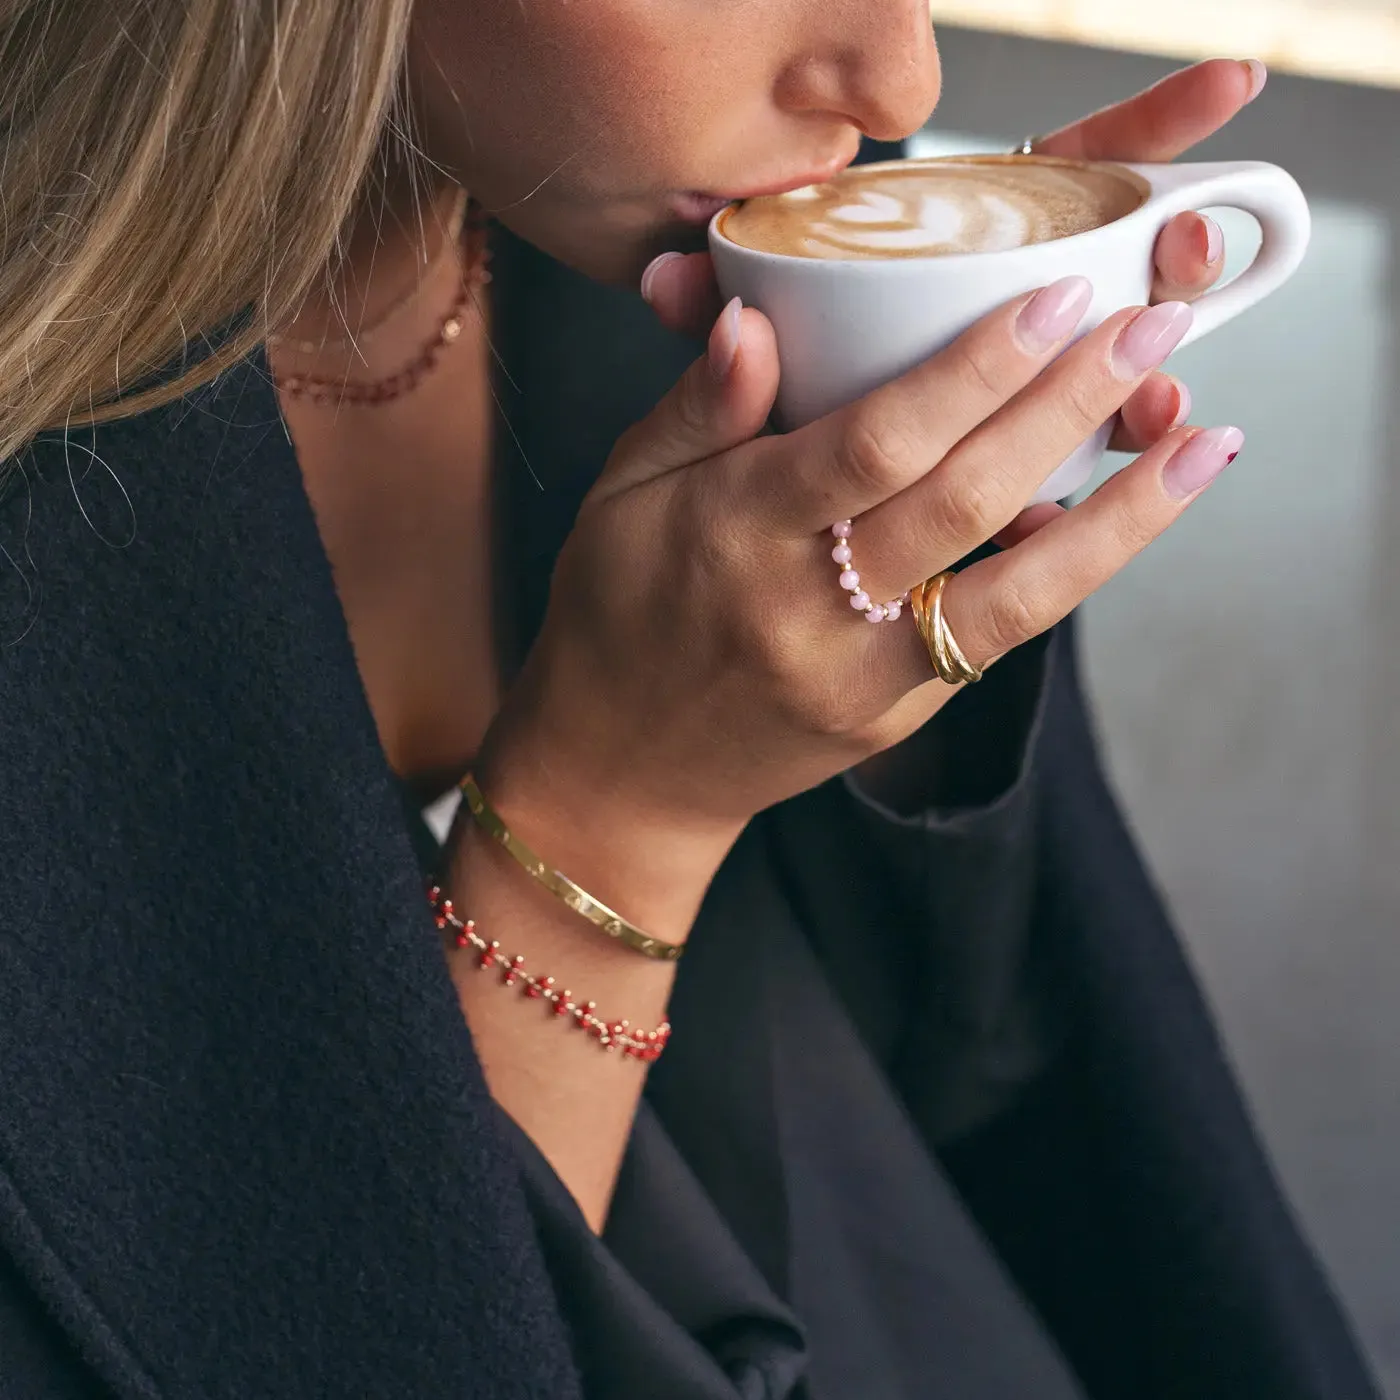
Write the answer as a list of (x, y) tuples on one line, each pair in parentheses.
[(942, 1114)]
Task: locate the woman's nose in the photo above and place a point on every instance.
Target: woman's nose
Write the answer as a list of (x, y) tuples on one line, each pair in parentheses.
[(873, 63)]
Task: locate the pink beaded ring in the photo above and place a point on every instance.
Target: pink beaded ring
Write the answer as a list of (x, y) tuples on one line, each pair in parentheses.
[(850, 581)]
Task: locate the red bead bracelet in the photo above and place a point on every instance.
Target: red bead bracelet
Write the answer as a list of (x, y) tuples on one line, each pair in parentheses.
[(636, 1045)]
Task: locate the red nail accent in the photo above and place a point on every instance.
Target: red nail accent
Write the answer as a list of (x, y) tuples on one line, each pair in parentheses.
[(723, 347)]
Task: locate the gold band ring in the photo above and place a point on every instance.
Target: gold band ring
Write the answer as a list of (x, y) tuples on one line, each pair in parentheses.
[(949, 661)]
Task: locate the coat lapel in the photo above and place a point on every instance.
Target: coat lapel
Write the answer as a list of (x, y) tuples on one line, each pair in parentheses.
[(245, 1148)]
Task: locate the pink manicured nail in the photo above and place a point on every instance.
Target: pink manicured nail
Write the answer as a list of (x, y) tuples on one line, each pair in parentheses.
[(1147, 341), (652, 268), (1053, 314), (1196, 465), (1258, 76), (1183, 412), (724, 340), (1215, 240)]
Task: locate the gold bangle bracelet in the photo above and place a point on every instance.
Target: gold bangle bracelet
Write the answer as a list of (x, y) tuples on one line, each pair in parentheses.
[(559, 884)]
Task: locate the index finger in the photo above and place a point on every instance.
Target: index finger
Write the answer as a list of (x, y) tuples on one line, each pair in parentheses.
[(1168, 119)]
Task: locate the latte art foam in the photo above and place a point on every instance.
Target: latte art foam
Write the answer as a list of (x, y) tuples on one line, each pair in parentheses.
[(923, 209)]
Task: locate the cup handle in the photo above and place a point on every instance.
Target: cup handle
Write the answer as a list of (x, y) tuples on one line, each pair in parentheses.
[(1270, 194)]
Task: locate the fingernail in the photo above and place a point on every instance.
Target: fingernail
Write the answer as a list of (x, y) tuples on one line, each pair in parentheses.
[(1053, 314), (1200, 461), (723, 349), (1147, 341), (1258, 76), (652, 268), (1215, 240), (1183, 413)]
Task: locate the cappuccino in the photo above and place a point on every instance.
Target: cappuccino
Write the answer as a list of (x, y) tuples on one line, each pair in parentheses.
[(935, 208)]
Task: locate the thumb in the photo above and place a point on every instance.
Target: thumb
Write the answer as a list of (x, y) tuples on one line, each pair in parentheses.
[(721, 401)]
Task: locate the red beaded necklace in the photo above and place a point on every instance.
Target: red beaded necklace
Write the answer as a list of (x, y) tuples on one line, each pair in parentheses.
[(337, 389)]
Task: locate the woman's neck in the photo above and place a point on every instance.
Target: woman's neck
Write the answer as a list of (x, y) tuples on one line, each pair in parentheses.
[(401, 487)]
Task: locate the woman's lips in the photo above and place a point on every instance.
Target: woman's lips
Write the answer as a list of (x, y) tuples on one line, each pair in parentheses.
[(697, 207)]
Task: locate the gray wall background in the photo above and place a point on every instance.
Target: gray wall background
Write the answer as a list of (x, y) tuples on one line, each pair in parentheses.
[(1247, 670)]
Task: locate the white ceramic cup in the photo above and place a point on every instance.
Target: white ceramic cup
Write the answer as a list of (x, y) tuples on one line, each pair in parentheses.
[(845, 327)]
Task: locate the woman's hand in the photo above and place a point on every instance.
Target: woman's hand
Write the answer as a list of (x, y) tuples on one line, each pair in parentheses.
[(1158, 125), (699, 661)]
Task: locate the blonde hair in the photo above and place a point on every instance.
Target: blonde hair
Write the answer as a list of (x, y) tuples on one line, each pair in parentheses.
[(163, 167)]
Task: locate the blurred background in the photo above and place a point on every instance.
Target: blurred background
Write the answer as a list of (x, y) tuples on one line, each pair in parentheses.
[(1247, 671)]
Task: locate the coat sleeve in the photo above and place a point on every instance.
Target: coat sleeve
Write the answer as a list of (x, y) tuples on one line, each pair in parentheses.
[(1035, 1007), (1128, 1188)]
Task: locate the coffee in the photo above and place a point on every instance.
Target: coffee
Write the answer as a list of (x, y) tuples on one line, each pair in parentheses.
[(934, 208)]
